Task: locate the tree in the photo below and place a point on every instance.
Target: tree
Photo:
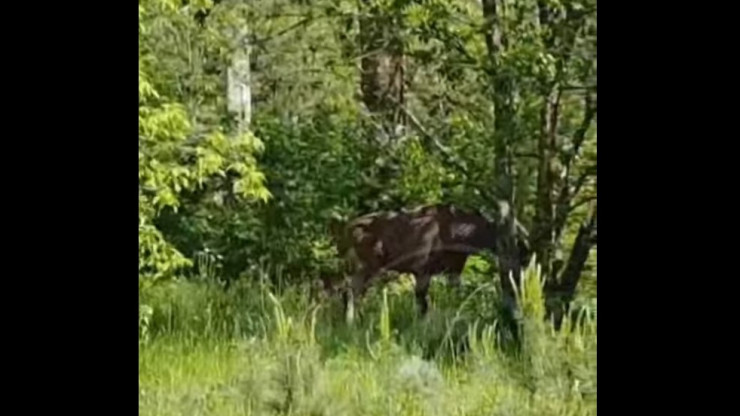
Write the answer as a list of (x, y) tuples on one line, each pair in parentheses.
[(174, 156), (497, 101)]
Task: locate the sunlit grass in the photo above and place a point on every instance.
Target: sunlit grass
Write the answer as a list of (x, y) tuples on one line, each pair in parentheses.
[(250, 351)]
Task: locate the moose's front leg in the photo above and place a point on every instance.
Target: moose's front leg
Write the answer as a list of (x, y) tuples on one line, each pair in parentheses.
[(357, 287), (422, 293)]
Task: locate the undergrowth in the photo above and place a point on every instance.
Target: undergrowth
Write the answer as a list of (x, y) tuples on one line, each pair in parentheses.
[(248, 350)]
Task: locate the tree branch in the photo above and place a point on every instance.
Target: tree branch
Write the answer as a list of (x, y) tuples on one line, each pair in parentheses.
[(491, 32), (566, 195), (420, 128), (564, 203), (587, 88), (525, 155), (590, 171), (583, 202), (261, 43), (580, 135)]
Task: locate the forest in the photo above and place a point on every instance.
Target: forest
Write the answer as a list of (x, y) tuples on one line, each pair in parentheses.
[(265, 123)]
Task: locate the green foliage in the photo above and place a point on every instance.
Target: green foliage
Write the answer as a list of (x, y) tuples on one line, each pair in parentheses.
[(422, 178), (173, 157), (233, 227), (288, 361), (323, 157)]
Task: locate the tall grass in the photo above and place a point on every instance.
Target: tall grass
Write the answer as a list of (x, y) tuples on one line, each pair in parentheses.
[(253, 350)]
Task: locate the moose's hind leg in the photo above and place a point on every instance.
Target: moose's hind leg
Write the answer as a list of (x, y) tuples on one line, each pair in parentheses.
[(422, 293)]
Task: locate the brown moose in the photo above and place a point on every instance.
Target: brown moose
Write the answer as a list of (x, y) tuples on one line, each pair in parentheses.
[(427, 241)]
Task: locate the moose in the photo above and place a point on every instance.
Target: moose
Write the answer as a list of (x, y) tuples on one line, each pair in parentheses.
[(427, 241)]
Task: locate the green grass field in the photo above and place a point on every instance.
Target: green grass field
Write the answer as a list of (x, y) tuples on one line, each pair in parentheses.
[(206, 351)]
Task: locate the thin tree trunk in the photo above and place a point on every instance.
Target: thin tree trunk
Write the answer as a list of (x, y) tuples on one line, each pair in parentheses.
[(567, 192), (555, 200), (509, 259), (543, 236), (382, 67), (560, 296)]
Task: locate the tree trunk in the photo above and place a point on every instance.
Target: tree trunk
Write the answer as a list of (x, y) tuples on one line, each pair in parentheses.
[(568, 191), (554, 202), (507, 247), (561, 295), (543, 236), (382, 67)]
